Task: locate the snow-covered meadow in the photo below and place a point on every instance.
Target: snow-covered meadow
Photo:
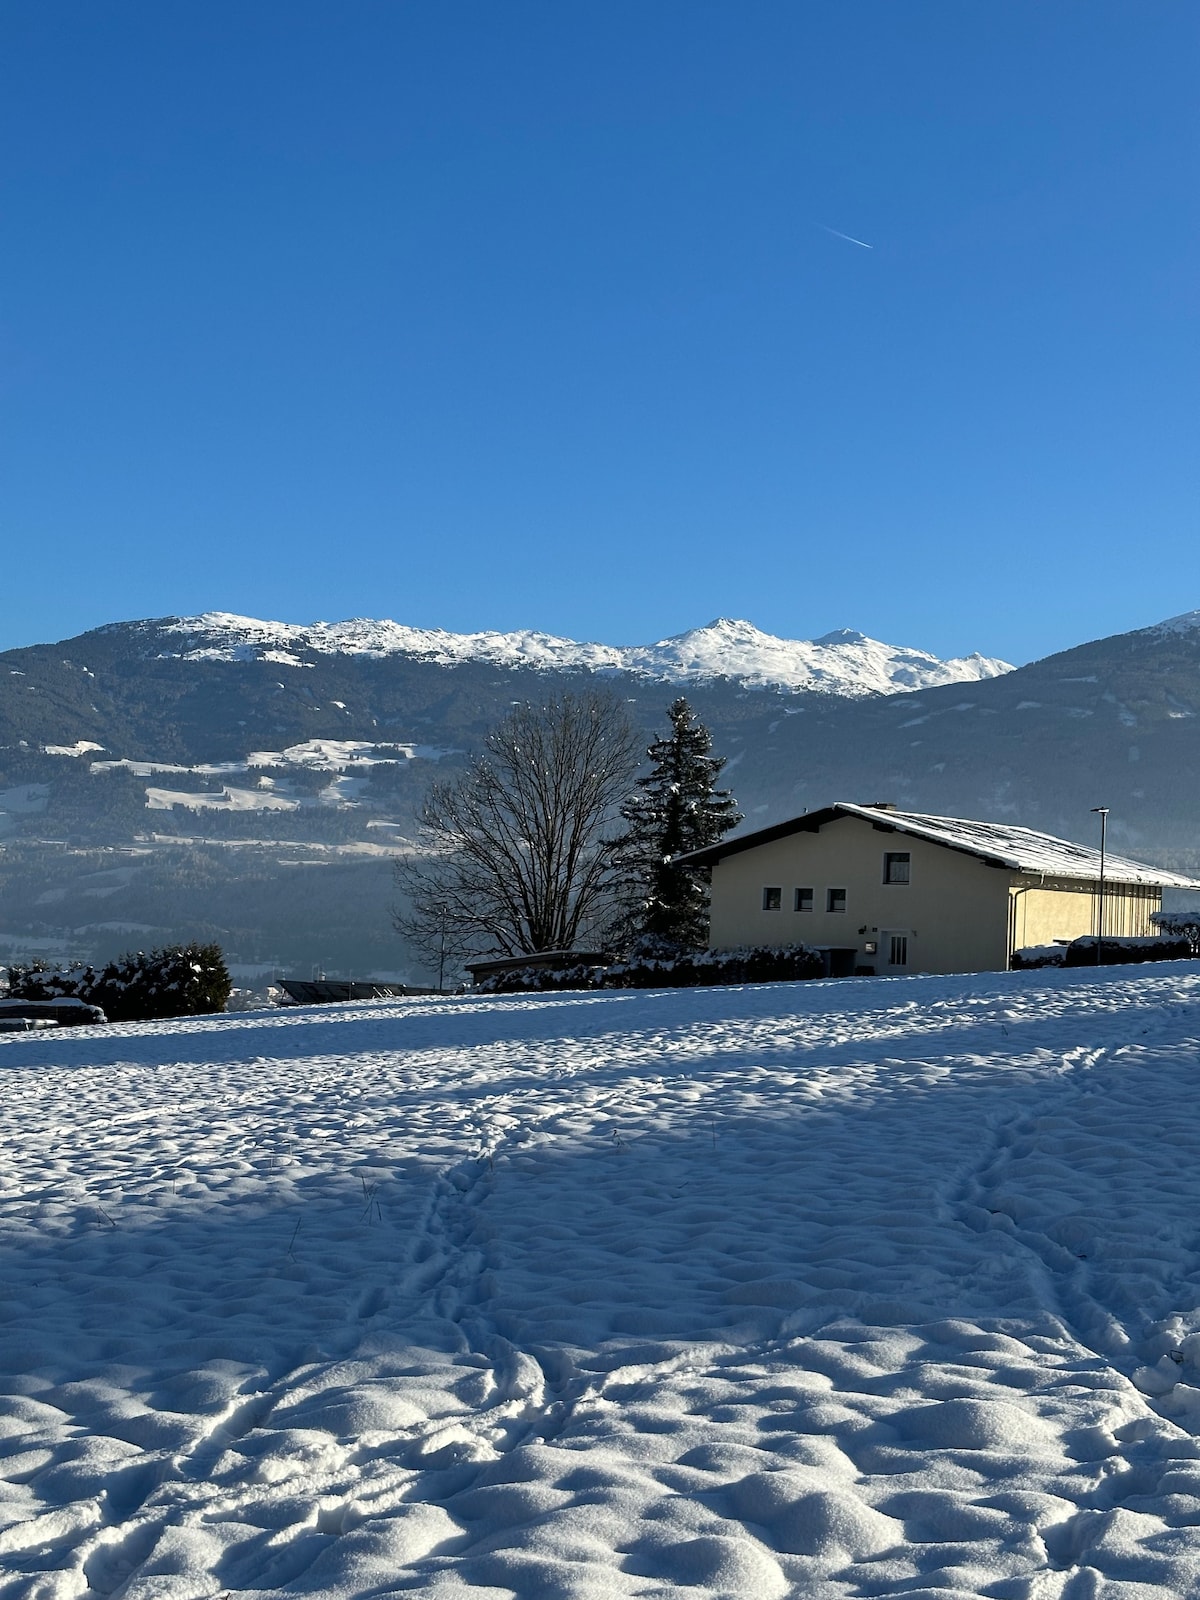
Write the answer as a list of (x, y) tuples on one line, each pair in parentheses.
[(884, 1287)]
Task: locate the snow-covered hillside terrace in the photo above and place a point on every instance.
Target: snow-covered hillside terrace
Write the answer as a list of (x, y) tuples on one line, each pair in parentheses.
[(843, 662), (345, 760)]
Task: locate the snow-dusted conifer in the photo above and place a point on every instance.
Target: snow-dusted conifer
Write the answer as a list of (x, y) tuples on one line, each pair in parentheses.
[(676, 808)]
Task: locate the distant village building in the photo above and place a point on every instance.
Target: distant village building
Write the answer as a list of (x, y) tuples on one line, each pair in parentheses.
[(888, 891)]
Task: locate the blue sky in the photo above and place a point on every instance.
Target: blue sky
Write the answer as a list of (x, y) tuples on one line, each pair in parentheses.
[(527, 315)]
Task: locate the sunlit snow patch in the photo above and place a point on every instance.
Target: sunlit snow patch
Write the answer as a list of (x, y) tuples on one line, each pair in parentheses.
[(884, 1287)]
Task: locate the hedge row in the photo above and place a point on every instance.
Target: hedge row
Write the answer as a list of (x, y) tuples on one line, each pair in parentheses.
[(654, 968), (1117, 952), (181, 980), (1121, 952)]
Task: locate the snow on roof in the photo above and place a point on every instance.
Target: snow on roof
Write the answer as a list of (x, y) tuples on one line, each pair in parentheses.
[(1021, 849)]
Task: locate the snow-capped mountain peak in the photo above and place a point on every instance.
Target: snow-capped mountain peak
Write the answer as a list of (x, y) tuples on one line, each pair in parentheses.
[(843, 662), (842, 636)]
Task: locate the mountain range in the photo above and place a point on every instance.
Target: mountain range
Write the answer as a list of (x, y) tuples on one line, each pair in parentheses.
[(842, 662), (250, 781)]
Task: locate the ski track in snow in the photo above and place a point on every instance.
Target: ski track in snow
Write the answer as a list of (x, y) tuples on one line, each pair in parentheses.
[(873, 1288)]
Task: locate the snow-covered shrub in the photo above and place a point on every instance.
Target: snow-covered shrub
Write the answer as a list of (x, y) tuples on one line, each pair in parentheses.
[(1039, 955), (1119, 952), (1183, 925), (36, 980), (682, 969), (655, 963), (181, 980), (537, 980)]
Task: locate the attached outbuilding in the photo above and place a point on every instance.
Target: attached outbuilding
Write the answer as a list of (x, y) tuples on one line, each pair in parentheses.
[(888, 891)]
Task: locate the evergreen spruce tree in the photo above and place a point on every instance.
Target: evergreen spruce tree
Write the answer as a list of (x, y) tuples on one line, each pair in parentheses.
[(676, 808)]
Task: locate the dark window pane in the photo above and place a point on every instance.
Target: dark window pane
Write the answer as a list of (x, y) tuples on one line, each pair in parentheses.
[(836, 900), (804, 900), (772, 899), (896, 866)]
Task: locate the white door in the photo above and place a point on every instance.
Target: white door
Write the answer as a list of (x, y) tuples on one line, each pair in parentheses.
[(894, 945)]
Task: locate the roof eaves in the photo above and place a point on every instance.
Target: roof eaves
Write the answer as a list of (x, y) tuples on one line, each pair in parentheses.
[(807, 822)]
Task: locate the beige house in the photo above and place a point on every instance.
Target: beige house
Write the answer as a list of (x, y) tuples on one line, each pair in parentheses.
[(888, 891)]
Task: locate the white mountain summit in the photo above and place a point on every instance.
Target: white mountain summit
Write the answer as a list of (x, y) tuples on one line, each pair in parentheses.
[(843, 662)]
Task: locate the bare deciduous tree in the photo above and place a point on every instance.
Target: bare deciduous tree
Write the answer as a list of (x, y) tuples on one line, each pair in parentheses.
[(515, 855)]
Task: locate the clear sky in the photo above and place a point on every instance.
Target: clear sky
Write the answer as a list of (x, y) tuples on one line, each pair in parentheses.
[(538, 314)]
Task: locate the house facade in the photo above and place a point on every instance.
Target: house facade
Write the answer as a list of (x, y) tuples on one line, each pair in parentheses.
[(888, 891)]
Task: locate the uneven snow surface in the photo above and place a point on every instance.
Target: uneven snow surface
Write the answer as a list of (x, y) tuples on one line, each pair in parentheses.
[(879, 1288), (844, 662)]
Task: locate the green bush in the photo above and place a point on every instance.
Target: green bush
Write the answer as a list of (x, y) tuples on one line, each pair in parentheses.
[(181, 980)]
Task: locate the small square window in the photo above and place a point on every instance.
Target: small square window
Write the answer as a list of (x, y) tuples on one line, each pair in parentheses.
[(835, 900), (804, 900), (897, 866), (772, 899)]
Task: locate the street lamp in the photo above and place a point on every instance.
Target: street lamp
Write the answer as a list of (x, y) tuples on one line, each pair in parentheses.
[(1102, 813)]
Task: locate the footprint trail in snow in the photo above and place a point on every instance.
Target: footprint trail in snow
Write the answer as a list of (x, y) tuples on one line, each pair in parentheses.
[(857, 1289)]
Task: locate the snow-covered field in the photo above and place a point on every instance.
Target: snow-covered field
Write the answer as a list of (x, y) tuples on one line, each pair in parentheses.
[(879, 1288)]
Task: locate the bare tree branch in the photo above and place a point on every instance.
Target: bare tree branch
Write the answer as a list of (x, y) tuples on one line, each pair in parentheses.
[(515, 856)]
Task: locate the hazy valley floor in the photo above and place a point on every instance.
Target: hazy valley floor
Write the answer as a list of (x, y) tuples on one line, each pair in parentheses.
[(879, 1288)]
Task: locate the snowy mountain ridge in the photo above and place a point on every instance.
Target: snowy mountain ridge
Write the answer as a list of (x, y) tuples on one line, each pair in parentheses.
[(843, 662), (1186, 622)]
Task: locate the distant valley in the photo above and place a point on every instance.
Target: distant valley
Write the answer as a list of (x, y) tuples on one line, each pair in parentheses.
[(251, 781)]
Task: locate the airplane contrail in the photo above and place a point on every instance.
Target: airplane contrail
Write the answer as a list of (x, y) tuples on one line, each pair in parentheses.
[(849, 237)]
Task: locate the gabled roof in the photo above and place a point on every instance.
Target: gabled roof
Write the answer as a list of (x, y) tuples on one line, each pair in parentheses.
[(999, 843)]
